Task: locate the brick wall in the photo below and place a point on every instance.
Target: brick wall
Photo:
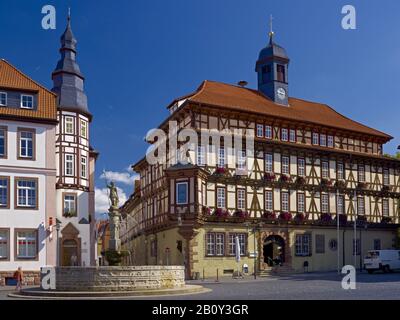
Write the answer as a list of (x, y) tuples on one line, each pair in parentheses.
[(30, 277)]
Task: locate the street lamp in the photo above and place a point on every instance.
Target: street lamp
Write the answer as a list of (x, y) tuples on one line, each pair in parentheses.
[(58, 227)]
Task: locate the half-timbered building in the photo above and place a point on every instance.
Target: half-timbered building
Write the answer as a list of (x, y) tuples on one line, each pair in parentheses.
[(311, 167)]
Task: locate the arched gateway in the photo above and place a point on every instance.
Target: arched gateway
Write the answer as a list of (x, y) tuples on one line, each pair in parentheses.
[(274, 250)]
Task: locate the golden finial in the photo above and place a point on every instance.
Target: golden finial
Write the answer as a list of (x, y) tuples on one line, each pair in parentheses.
[(271, 31)]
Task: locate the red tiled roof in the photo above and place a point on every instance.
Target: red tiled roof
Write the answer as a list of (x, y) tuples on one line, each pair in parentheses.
[(12, 78), (243, 99)]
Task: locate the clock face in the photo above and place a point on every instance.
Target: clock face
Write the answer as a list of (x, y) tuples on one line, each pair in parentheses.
[(281, 93)]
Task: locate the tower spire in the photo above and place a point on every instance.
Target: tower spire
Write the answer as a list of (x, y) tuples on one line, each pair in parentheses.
[(271, 31)]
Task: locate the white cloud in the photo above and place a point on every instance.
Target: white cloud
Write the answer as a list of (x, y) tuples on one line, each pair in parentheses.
[(102, 201), (119, 177)]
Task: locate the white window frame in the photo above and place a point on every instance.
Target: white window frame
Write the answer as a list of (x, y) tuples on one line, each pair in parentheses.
[(268, 132), (69, 162), (322, 140), (340, 203), (219, 244), (200, 155), (185, 183), (221, 197), (340, 170), (26, 141), (360, 206), (361, 173), (25, 195), (210, 244), (330, 141), (303, 245), (285, 165), (260, 131), (27, 239), (221, 157), (325, 203), (292, 135), (84, 167), (241, 160), (284, 134), (315, 138), (241, 199), (84, 127), (269, 202), (68, 120), (269, 162), (301, 203), (285, 201), (5, 241), (22, 101), (386, 177), (301, 167), (71, 204), (7, 191), (2, 93), (325, 169), (385, 207)]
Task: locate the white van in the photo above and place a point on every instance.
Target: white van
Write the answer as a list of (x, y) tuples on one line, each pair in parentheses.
[(385, 260)]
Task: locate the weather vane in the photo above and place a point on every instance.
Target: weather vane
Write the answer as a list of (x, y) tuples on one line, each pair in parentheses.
[(271, 32)]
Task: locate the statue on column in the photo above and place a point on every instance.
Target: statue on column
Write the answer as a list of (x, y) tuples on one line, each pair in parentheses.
[(113, 194)]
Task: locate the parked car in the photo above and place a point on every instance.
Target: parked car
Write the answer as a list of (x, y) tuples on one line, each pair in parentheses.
[(385, 260)]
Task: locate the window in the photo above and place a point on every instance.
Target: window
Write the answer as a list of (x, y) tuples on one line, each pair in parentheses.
[(70, 205), (26, 101), (303, 245), (219, 244), (241, 160), (340, 171), (242, 243), (284, 134), (83, 129), (340, 204), (281, 73), (330, 142), (361, 174), (69, 164), (181, 193), (300, 203), (292, 135), (268, 201), (285, 165), (386, 180), (377, 244), (220, 197), (360, 205), (4, 193), (200, 155), (325, 169), (315, 138), (322, 140), (324, 203), (83, 167), (221, 157), (4, 244), (266, 73), (26, 193), (3, 99), (69, 125), (268, 162), (301, 167), (26, 143), (285, 201), (385, 207), (319, 243), (3, 142), (356, 247), (260, 130), (26, 244), (268, 132), (153, 248), (241, 199), (210, 244)]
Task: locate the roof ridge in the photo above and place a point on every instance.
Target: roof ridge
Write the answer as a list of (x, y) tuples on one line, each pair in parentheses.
[(28, 77)]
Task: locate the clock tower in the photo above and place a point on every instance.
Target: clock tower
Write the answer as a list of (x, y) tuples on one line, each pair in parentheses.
[(272, 71)]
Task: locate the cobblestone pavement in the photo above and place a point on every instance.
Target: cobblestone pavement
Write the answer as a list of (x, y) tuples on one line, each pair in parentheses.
[(325, 286)]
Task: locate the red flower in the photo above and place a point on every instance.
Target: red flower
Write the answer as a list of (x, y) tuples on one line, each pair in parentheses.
[(285, 216), (270, 215), (268, 176)]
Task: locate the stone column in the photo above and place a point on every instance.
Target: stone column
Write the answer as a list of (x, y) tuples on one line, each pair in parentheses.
[(114, 220)]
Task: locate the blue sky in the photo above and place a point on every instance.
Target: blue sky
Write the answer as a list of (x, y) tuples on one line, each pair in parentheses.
[(138, 56)]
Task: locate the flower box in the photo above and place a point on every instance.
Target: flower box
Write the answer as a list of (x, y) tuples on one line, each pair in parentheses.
[(285, 216), (341, 184), (299, 217), (300, 181), (206, 211), (386, 220), (222, 213), (362, 185), (385, 189), (342, 219), (362, 218), (326, 217), (270, 215), (285, 178), (241, 214), (269, 177), (221, 170), (326, 182)]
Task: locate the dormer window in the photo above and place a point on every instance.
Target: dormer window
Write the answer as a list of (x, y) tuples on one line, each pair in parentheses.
[(26, 101), (3, 99), (280, 72)]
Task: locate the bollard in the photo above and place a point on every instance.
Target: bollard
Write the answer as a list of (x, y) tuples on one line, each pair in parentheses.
[(217, 276), (203, 274)]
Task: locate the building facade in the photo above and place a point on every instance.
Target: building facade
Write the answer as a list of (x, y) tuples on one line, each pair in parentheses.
[(311, 170), (46, 169)]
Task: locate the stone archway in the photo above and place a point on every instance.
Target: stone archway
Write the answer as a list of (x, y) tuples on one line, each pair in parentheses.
[(274, 240), (70, 245), (274, 250)]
